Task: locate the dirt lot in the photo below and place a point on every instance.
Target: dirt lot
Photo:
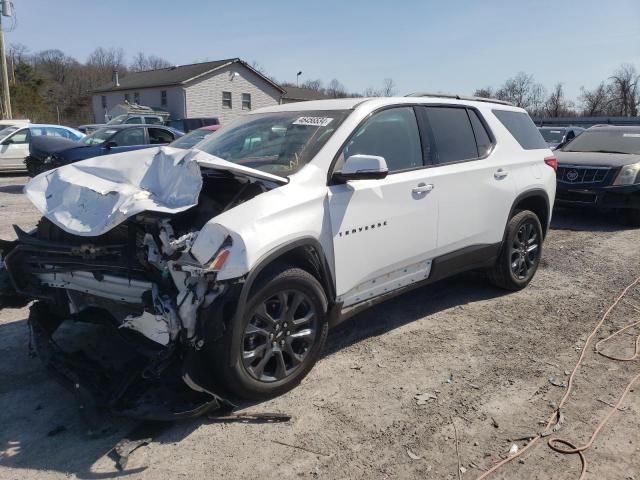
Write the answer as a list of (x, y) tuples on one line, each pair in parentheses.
[(482, 357)]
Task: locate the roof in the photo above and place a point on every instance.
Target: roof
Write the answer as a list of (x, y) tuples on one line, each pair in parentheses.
[(301, 93), (459, 97), (177, 75), (376, 102)]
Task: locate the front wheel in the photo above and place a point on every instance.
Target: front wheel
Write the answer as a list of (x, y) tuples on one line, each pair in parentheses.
[(279, 338), (520, 254)]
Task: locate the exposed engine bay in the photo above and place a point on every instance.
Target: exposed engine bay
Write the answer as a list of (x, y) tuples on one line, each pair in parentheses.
[(140, 281)]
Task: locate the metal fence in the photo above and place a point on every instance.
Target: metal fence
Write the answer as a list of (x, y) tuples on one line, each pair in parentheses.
[(585, 122)]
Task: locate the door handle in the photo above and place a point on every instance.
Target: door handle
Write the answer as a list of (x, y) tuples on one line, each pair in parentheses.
[(500, 174), (423, 188)]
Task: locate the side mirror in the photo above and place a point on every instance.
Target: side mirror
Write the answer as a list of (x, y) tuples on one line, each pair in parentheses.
[(8, 141), (363, 167), (110, 145)]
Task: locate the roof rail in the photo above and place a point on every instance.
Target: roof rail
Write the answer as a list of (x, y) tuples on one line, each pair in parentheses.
[(459, 97)]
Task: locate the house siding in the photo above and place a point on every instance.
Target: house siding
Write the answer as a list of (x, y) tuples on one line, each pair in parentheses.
[(204, 95), (150, 97)]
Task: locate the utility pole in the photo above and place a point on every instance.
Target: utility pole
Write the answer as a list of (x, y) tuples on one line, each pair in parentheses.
[(5, 99)]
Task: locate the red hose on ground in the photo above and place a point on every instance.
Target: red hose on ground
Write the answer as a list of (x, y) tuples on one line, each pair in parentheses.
[(558, 444)]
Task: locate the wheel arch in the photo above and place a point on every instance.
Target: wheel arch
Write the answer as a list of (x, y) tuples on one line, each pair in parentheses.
[(305, 253), (536, 200)]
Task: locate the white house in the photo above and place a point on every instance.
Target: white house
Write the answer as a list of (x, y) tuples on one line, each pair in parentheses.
[(222, 89)]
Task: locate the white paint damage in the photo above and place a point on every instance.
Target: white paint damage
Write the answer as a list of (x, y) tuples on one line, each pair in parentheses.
[(91, 197)]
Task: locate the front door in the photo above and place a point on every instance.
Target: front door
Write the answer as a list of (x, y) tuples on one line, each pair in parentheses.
[(14, 149), (384, 231)]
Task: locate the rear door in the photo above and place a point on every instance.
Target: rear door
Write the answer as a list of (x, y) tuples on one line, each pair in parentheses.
[(384, 231), (472, 182), (160, 136)]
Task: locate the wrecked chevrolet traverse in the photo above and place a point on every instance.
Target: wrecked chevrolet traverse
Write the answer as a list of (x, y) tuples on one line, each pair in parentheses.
[(166, 281)]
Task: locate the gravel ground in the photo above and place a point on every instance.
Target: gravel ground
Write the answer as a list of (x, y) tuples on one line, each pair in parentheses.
[(482, 357)]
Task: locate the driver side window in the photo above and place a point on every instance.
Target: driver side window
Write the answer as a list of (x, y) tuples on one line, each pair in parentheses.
[(129, 137), (392, 134)]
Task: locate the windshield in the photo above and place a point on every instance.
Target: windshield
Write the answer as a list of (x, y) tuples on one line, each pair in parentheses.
[(552, 136), (606, 140), (99, 136), (280, 143), (119, 120), (190, 139)]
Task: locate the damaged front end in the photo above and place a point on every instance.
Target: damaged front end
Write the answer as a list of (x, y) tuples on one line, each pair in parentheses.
[(124, 312)]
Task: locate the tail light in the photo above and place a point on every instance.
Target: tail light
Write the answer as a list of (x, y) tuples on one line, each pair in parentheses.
[(552, 162)]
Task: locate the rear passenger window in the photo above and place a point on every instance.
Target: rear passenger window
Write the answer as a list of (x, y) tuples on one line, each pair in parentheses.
[(522, 128), (452, 133), (482, 137)]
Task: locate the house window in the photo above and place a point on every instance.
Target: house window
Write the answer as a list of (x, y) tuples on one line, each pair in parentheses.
[(163, 98), (246, 101), (104, 101), (127, 98), (136, 97), (226, 100)]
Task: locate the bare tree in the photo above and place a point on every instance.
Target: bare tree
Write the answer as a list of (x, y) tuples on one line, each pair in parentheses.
[(595, 102), (623, 91), (517, 90), (486, 92), (537, 99), (142, 62), (388, 87), (335, 89), (313, 85), (371, 92)]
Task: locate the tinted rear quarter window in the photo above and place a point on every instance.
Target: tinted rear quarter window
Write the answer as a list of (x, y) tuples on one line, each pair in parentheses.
[(522, 128), (482, 137), (452, 133)]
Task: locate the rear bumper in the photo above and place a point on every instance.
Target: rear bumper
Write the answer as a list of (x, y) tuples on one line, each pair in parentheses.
[(599, 197)]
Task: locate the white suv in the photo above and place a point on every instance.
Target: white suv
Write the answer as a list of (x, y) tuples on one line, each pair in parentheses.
[(233, 259)]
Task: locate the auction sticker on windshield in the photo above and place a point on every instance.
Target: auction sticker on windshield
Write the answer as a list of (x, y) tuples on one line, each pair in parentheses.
[(313, 121)]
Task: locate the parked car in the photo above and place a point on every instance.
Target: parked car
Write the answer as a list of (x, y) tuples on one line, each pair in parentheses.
[(125, 119), (15, 141), (557, 137), (48, 153), (601, 169), (226, 265), (194, 137), (188, 124)]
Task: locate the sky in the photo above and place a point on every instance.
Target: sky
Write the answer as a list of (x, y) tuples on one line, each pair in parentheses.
[(450, 46)]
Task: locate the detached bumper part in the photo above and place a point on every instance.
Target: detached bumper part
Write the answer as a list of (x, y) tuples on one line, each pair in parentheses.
[(111, 375)]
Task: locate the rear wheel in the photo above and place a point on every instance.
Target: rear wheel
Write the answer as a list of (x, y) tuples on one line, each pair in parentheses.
[(279, 338), (520, 254)]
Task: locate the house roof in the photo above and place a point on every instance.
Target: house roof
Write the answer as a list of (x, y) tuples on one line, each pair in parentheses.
[(300, 93), (177, 75)]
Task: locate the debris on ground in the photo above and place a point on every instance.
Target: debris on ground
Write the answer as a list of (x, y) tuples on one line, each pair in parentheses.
[(555, 383), (412, 455), (424, 398), (513, 450)]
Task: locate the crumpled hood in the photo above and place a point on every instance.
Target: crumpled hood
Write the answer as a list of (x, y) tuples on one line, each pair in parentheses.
[(42, 146), (91, 197)]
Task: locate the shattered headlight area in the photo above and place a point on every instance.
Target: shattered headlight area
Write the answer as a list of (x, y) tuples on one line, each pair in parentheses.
[(140, 293)]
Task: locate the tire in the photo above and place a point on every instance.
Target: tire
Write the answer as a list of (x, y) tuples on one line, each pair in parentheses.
[(33, 166), (517, 264), (252, 359)]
